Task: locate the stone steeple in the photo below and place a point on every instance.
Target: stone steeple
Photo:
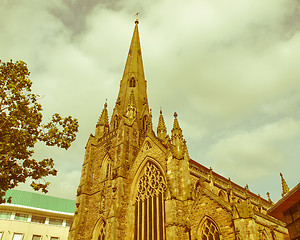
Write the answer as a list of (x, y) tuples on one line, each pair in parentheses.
[(133, 85), (285, 188)]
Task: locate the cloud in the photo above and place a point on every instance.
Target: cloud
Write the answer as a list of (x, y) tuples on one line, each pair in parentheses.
[(229, 68), (256, 153)]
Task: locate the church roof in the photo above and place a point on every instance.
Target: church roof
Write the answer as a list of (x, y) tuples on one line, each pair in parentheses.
[(227, 181)]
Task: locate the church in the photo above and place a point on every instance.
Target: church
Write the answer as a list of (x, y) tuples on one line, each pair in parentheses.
[(139, 183)]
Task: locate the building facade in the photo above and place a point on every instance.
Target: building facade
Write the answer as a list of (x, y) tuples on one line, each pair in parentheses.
[(32, 216), (137, 184)]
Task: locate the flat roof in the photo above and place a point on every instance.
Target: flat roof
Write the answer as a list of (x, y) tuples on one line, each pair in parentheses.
[(288, 200), (40, 201)]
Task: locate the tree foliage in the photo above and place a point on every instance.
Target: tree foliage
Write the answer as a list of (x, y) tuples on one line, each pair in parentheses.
[(21, 128)]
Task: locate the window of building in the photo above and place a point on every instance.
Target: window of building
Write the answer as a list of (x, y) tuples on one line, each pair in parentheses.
[(5, 215), (209, 231), (54, 238), (36, 237), (18, 236), (38, 219), (132, 82), (1, 233), (55, 221), (149, 206), (68, 223), (99, 230), (21, 217)]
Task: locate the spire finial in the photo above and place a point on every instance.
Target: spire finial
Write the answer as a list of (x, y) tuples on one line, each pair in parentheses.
[(285, 188), (136, 19)]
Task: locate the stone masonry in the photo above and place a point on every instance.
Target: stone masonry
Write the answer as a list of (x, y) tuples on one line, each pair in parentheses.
[(137, 184)]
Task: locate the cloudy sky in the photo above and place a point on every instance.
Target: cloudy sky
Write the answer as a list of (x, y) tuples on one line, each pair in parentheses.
[(230, 69)]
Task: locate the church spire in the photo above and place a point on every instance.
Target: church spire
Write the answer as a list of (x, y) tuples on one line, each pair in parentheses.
[(134, 63), (133, 83), (285, 188)]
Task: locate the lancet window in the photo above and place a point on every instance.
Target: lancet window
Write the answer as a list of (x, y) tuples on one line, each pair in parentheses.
[(150, 205), (209, 231), (132, 82)]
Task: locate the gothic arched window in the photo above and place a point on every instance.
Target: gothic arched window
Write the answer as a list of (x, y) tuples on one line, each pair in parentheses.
[(209, 231), (132, 82), (99, 230), (150, 205)]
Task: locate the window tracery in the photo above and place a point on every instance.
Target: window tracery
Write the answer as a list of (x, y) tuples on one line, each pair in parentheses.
[(149, 205), (99, 231), (209, 231)]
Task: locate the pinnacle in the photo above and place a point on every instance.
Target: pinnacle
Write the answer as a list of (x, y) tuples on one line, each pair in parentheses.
[(269, 198), (285, 188), (103, 120), (161, 123), (176, 124)]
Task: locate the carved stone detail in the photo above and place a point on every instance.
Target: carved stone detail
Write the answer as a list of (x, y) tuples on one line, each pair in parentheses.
[(151, 183)]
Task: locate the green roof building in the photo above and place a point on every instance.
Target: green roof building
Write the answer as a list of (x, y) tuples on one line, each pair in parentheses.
[(34, 216)]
